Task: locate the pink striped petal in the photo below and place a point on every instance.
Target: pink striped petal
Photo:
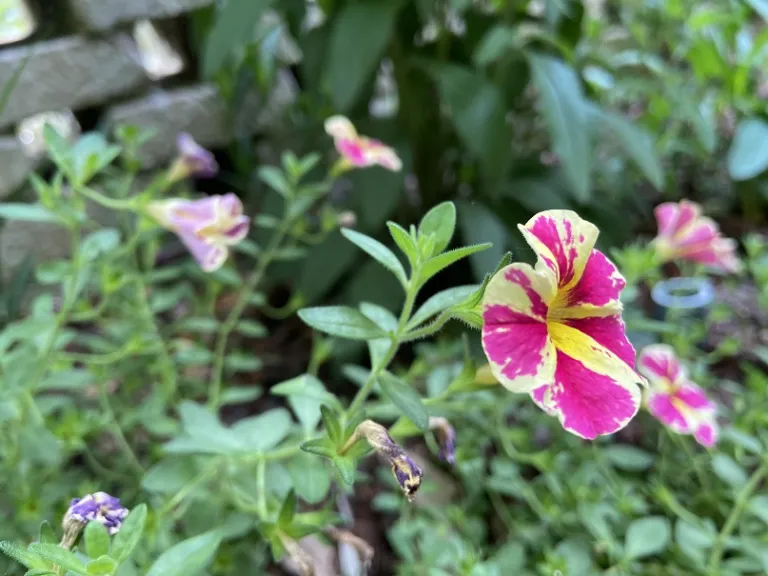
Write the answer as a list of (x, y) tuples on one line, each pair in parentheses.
[(663, 409), (609, 332), (562, 241), (515, 338), (694, 397), (673, 217), (706, 434), (659, 362), (597, 291), (542, 397)]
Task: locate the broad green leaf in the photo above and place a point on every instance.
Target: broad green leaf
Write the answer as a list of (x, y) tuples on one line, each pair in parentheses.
[(566, 117), (130, 533), (360, 34), (636, 143), (27, 213), (404, 241), (378, 251), (96, 539), (646, 537), (311, 477), (441, 301), (628, 457), (233, 27), (729, 471), (190, 556), (346, 467), (476, 108), (692, 538), (102, 566), (305, 394), (438, 263), (759, 507), (341, 321), (748, 155), (265, 431), (273, 177), (321, 446), (440, 221), (496, 42), (168, 476), (23, 556), (405, 398), (60, 556)]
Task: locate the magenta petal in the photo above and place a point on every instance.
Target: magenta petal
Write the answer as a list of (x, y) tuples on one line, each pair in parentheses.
[(519, 348), (601, 283), (693, 396), (610, 333), (541, 399), (590, 404), (706, 434), (238, 231), (662, 408), (353, 152), (659, 362)]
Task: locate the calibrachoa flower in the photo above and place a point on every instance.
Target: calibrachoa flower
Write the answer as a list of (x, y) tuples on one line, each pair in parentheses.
[(98, 506), (685, 234), (407, 473), (555, 331), (358, 151), (192, 160), (207, 227), (673, 399)]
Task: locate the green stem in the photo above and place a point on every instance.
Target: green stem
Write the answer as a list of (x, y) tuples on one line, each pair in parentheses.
[(734, 517), (118, 431), (179, 497), (229, 324), (106, 201), (261, 487)]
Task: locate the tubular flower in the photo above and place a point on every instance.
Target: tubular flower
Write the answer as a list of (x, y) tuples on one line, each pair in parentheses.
[(407, 473), (555, 330), (192, 160), (685, 234), (98, 506), (207, 227), (358, 151), (673, 399)]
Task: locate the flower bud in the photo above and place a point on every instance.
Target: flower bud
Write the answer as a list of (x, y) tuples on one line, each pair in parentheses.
[(98, 506), (446, 438), (192, 160)]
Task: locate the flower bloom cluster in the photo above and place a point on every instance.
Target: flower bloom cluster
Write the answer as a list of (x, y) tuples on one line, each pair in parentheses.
[(684, 234), (673, 399), (98, 506), (207, 227), (358, 151), (555, 330)]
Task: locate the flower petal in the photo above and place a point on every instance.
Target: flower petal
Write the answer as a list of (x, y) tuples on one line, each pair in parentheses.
[(706, 434), (384, 156), (563, 241), (209, 256), (609, 332), (659, 362), (597, 291), (694, 397), (542, 397), (662, 408), (523, 291), (589, 403), (340, 127), (353, 152), (672, 217), (238, 231)]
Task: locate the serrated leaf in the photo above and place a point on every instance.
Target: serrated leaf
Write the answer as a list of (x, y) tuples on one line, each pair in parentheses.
[(341, 321), (405, 398), (130, 533), (378, 252)]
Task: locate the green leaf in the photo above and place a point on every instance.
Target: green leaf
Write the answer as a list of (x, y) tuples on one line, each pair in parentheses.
[(40, 572), (102, 566), (496, 42), (130, 533), (19, 553), (240, 395), (47, 535), (440, 221), (566, 117), (691, 537), (287, 510), (331, 425), (759, 6), (438, 263), (405, 398), (729, 471), (441, 301), (646, 537), (636, 143), (233, 27), (759, 507), (476, 108), (321, 446), (251, 328), (305, 395), (377, 251), (27, 213), (627, 457), (346, 467), (311, 477), (404, 241), (168, 476), (265, 431), (748, 155), (96, 539), (341, 321), (237, 362), (190, 556), (273, 177), (60, 556), (360, 34)]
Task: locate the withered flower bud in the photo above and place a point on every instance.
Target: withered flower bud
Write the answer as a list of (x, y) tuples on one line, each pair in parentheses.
[(407, 473), (446, 438)]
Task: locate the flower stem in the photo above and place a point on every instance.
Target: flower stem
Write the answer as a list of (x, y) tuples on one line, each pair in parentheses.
[(214, 398), (734, 517), (261, 485), (106, 201)]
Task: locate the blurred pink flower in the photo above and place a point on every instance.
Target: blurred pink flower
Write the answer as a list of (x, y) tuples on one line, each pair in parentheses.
[(192, 160), (685, 234), (555, 331), (358, 151), (207, 227), (673, 399)]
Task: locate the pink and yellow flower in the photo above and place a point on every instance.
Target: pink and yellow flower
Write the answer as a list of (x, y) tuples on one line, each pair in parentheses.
[(192, 160), (555, 330), (673, 399), (207, 227), (684, 234), (358, 151)]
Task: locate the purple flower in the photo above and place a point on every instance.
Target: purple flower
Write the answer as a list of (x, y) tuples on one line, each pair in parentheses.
[(207, 227), (446, 438), (193, 160), (98, 506)]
